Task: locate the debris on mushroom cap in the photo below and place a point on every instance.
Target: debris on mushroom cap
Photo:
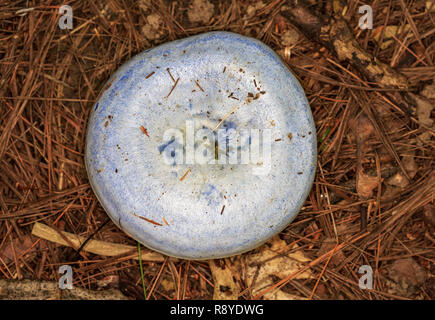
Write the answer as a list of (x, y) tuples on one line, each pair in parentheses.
[(166, 222), (148, 220), (149, 75), (362, 129), (424, 110), (144, 131), (184, 176), (429, 90), (197, 84), (253, 8)]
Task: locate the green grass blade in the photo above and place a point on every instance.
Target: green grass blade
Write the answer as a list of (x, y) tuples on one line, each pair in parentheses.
[(141, 271)]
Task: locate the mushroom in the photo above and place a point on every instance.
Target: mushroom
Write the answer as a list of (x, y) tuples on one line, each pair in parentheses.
[(202, 148)]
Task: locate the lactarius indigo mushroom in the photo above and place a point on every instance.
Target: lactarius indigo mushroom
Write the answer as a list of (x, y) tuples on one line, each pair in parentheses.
[(203, 147)]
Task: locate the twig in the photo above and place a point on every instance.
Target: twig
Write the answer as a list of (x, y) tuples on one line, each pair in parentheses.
[(99, 247)]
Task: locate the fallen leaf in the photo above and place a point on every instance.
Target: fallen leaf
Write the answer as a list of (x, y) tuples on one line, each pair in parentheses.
[(200, 11), (409, 164), (145, 5), (225, 286), (398, 180), (365, 185), (407, 273), (273, 261), (281, 295), (423, 112), (389, 192), (7, 252), (429, 214)]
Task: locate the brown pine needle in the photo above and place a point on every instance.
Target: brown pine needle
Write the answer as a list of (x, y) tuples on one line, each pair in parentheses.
[(323, 271), (182, 178), (148, 220), (157, 278), (173, 87), (144, 131)]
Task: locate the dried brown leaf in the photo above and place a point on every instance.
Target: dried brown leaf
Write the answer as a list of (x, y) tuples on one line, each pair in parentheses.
[(424, 110), (273, 261), (225, 286), (200, 11), (410, 165), (365, 185)]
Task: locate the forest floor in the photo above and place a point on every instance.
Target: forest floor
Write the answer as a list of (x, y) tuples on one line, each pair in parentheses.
[(372, 95)]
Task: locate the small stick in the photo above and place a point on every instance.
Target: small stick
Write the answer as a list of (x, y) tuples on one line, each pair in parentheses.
[(102, 248), (149, 75)]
